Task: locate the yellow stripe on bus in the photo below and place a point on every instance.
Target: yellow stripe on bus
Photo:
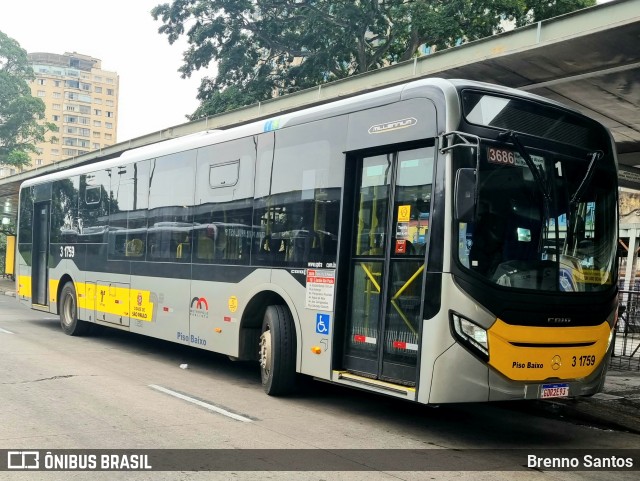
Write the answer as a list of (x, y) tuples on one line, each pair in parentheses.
[(24, 286), (524, 353), (107, 299), (116, 300), (53, 290)]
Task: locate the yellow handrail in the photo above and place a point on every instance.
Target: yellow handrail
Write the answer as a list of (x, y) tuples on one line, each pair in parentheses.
[(408, 283), (395, 305), (370, 276)]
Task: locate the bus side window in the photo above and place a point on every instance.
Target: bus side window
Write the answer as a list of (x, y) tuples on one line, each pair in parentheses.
[(170, 211), (302, 207), (224, 193), (122, 210)]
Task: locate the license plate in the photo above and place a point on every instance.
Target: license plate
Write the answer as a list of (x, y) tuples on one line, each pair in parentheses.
[(554, 390)]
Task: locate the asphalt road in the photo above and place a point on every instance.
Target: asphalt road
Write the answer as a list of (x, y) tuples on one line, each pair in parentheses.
[(114, 390)]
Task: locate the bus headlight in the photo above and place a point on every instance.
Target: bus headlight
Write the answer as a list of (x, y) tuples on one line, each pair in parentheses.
[(471, 334)]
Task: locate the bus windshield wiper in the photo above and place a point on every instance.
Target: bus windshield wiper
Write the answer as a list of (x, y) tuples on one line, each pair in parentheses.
[(537, 176), (595, 156)]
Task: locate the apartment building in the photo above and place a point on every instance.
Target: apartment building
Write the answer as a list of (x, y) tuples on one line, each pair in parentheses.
[(80, 98)]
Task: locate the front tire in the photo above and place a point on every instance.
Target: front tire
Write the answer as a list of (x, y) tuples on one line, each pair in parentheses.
[(277, 352), (69, 321)]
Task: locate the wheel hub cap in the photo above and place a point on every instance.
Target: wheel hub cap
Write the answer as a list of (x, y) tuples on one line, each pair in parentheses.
[(265, 350)]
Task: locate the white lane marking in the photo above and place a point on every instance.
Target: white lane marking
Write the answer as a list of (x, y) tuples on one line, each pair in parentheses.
[(5, 331), (203, 404)]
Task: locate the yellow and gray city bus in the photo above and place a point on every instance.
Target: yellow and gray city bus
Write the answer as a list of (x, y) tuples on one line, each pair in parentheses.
[(438, 241)]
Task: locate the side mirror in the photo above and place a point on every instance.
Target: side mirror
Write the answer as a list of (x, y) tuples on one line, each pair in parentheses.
[(465, 195)]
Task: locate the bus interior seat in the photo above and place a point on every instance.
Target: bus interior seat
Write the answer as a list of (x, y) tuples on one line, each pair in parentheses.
[(264, 244), (183, 250), (173, 247), (134, 248), (206, 248), (278, 249)]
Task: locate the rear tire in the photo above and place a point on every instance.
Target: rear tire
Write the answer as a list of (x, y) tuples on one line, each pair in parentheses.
[(69, 321), (277, 351)]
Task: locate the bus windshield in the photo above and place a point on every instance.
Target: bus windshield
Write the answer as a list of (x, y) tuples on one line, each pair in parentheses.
[(543, 220)]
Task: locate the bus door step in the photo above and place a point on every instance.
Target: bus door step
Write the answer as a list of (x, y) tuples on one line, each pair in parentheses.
[(345, 377)]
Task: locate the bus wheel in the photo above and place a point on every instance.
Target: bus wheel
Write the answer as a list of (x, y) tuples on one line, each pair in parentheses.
[(278, 351), (69, 321)]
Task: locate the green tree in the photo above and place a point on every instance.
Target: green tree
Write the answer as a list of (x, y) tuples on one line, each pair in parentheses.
[(538, 10), (272, 47), (21, 114)]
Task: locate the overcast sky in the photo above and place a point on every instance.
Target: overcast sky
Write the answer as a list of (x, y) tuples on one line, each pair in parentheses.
[(123, 34)]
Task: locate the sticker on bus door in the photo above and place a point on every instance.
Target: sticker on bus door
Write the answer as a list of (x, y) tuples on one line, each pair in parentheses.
[(401, 246), (320, 289), (322, 323)]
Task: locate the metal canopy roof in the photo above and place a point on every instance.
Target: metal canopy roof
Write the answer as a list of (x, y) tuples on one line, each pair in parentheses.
[(589, 60), (596, 71)]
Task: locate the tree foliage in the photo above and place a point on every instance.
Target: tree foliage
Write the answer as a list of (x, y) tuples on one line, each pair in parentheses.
[(272, 47), (20, 112), (538, 10)]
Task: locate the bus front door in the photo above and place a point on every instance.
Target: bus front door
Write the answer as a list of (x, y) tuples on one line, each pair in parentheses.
[(40, 254), (387, 263)]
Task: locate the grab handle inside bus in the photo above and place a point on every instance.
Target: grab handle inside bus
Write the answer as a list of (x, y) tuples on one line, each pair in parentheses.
[(465, 197)]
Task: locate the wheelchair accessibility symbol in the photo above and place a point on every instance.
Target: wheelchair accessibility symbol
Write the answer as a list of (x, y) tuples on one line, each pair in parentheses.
[(322, 323)]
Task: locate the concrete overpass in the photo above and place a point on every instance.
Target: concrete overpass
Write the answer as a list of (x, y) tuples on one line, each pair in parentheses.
[(589, 60)]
